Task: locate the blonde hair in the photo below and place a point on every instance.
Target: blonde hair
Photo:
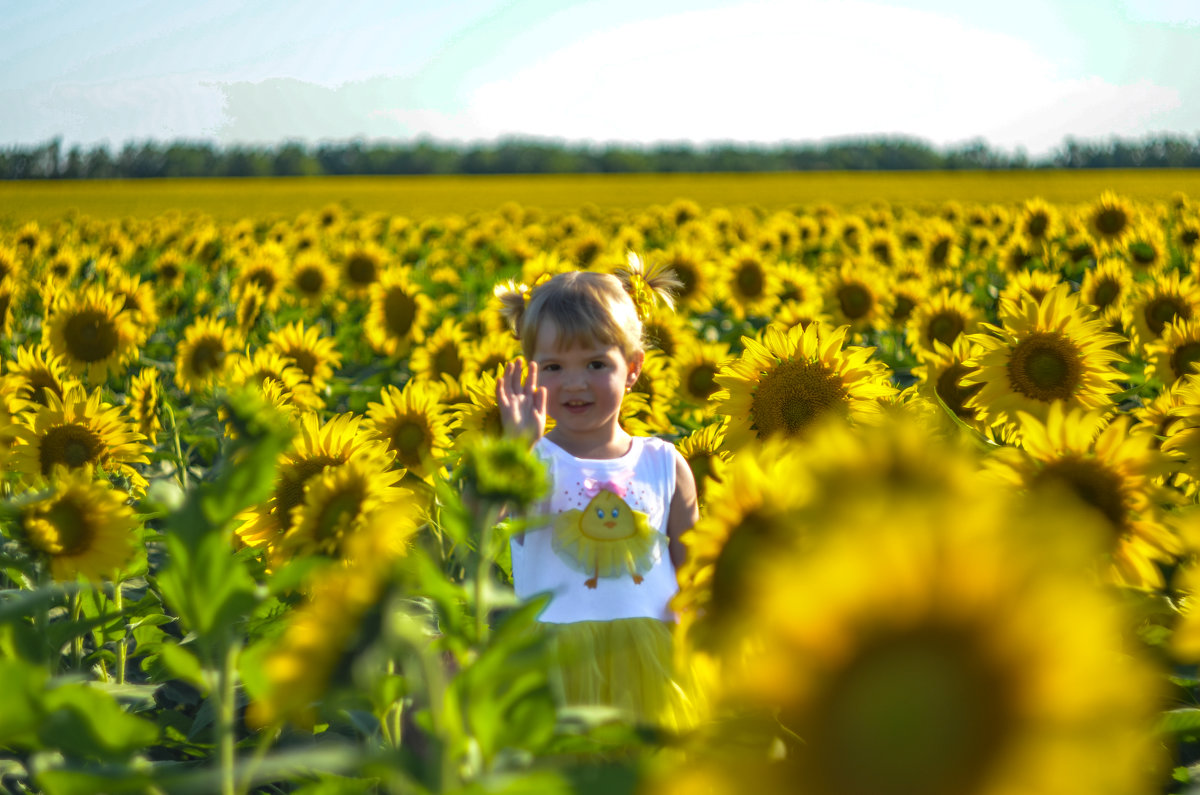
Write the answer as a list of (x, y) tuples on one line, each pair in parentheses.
[(584, 306)]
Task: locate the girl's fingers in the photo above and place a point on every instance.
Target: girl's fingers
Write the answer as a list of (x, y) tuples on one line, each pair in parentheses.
[(531, 383)]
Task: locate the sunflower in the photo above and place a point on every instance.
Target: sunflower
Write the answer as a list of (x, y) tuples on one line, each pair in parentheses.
[(319, 633), (203, 355), (799, 286), (169, 271), (696, 367), (1107, 288), (751, 516), (265, 267), (316, 356), (943, 317), (667, 331), (92, 335), (1112, 471), (694, 271), (924, 653), (904, 298), (1036, 284), (1175, 354), (37, 371), (78, 432), (751, 285), (659, 382), (446, 351), (1110, 221), (144, 403), (1146, 250), (492, 350), (249, 300), (362, 265), (11, 266), (1038, 222), (702, 451), (785, 380), (1044, 351), (139, 303), (854, 296), (478, 416), (82, 527), (939, 379), (1159, 302), (412, 423), (268, 364), (316, 447), (312, 279), (338, 502), (882, 247), (398, 313), (942, 250), (1187, 238), (1018, 255)]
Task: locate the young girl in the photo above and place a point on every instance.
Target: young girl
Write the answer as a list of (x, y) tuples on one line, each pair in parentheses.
[(609, 547)]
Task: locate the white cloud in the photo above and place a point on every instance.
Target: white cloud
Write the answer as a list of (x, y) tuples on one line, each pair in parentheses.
[(804, 71)]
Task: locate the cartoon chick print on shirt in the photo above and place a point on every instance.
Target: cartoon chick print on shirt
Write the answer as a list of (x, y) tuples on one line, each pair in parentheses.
[(607, 538)]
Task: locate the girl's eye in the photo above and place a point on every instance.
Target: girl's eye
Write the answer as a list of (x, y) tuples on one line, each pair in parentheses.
[(615, 512), (600, 513), (597, 365), (549, 367)]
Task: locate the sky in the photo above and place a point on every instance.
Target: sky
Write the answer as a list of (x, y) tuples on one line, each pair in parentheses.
[(1018, 75)]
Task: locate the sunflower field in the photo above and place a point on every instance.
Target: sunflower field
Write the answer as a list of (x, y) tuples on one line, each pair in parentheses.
[(256, 502)]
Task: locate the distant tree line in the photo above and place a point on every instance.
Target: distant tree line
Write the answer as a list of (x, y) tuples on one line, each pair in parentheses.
[(531, 156)]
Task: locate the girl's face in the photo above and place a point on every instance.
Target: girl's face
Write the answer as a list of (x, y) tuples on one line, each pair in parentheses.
[(585, 384)]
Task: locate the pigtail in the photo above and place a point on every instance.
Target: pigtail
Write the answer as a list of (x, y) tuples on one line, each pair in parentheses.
[(514, 298), (648, 285)]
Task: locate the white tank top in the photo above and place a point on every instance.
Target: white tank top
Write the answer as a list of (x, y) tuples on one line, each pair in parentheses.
[(600, 490)]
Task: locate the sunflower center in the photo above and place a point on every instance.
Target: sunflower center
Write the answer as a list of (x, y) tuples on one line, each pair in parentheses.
[(754, 539), (289, 488), (38, 383), (64, 529), (337, 513), (686, 273), (1091, 481), (855, 300), (793, 395), (939, 253), (72, 446), (953, 394), (1045, 366), (310, 281), (264, 278), (1163, 310), (207, 356), (361, 269), (882, 252), (91, 336), (1143, 254), (700, 381), (945, 327), (1183, 357), (446, 360), (399, 311), (750, 281), (1107, 291), (304, 359), (408, 440), (1037, 226), (916, 713), (1111, 221)]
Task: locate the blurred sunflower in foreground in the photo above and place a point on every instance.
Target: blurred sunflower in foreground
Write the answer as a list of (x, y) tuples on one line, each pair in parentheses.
[(939, 646)]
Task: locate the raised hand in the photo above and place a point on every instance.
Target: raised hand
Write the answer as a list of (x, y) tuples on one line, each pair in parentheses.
[(522, 406)]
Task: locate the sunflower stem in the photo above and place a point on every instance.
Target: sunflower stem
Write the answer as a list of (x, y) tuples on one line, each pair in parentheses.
[(77, 638), (123, 643), (226, 714), (179, 459)]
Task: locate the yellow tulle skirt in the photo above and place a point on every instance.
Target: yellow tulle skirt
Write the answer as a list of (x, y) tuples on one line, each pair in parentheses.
[(628, 664)]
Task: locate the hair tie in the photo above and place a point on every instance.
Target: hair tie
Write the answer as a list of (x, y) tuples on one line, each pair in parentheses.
[(648, 285)]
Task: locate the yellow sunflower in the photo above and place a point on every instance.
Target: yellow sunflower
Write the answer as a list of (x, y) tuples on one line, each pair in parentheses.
[(139, 303), (943, 317), (943, 253), (203, 355), (37, 372), (361, 266), (1146, 250), (667, 331), (265, 267), (491, 351), (316, 356), (1175, 354), (316, 446), (932, 654), (445, 352), (659, 382), (83, 527), (169, 272), (1159, 302), (1038, 221), (1107, 288), (785, 380), (397, 315), (1110, 221), (694, 269), (939, 379), (1112, 471), (1044, 351), (268, 364), (91, 333), (78, 432), (413, 425), (751, 285), (1187, 239), (854, 296), (696, 367), (800, 287), (144, 402), (1036, 284), (313, 279), (249, 300), (702, 451), (477, 417)]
